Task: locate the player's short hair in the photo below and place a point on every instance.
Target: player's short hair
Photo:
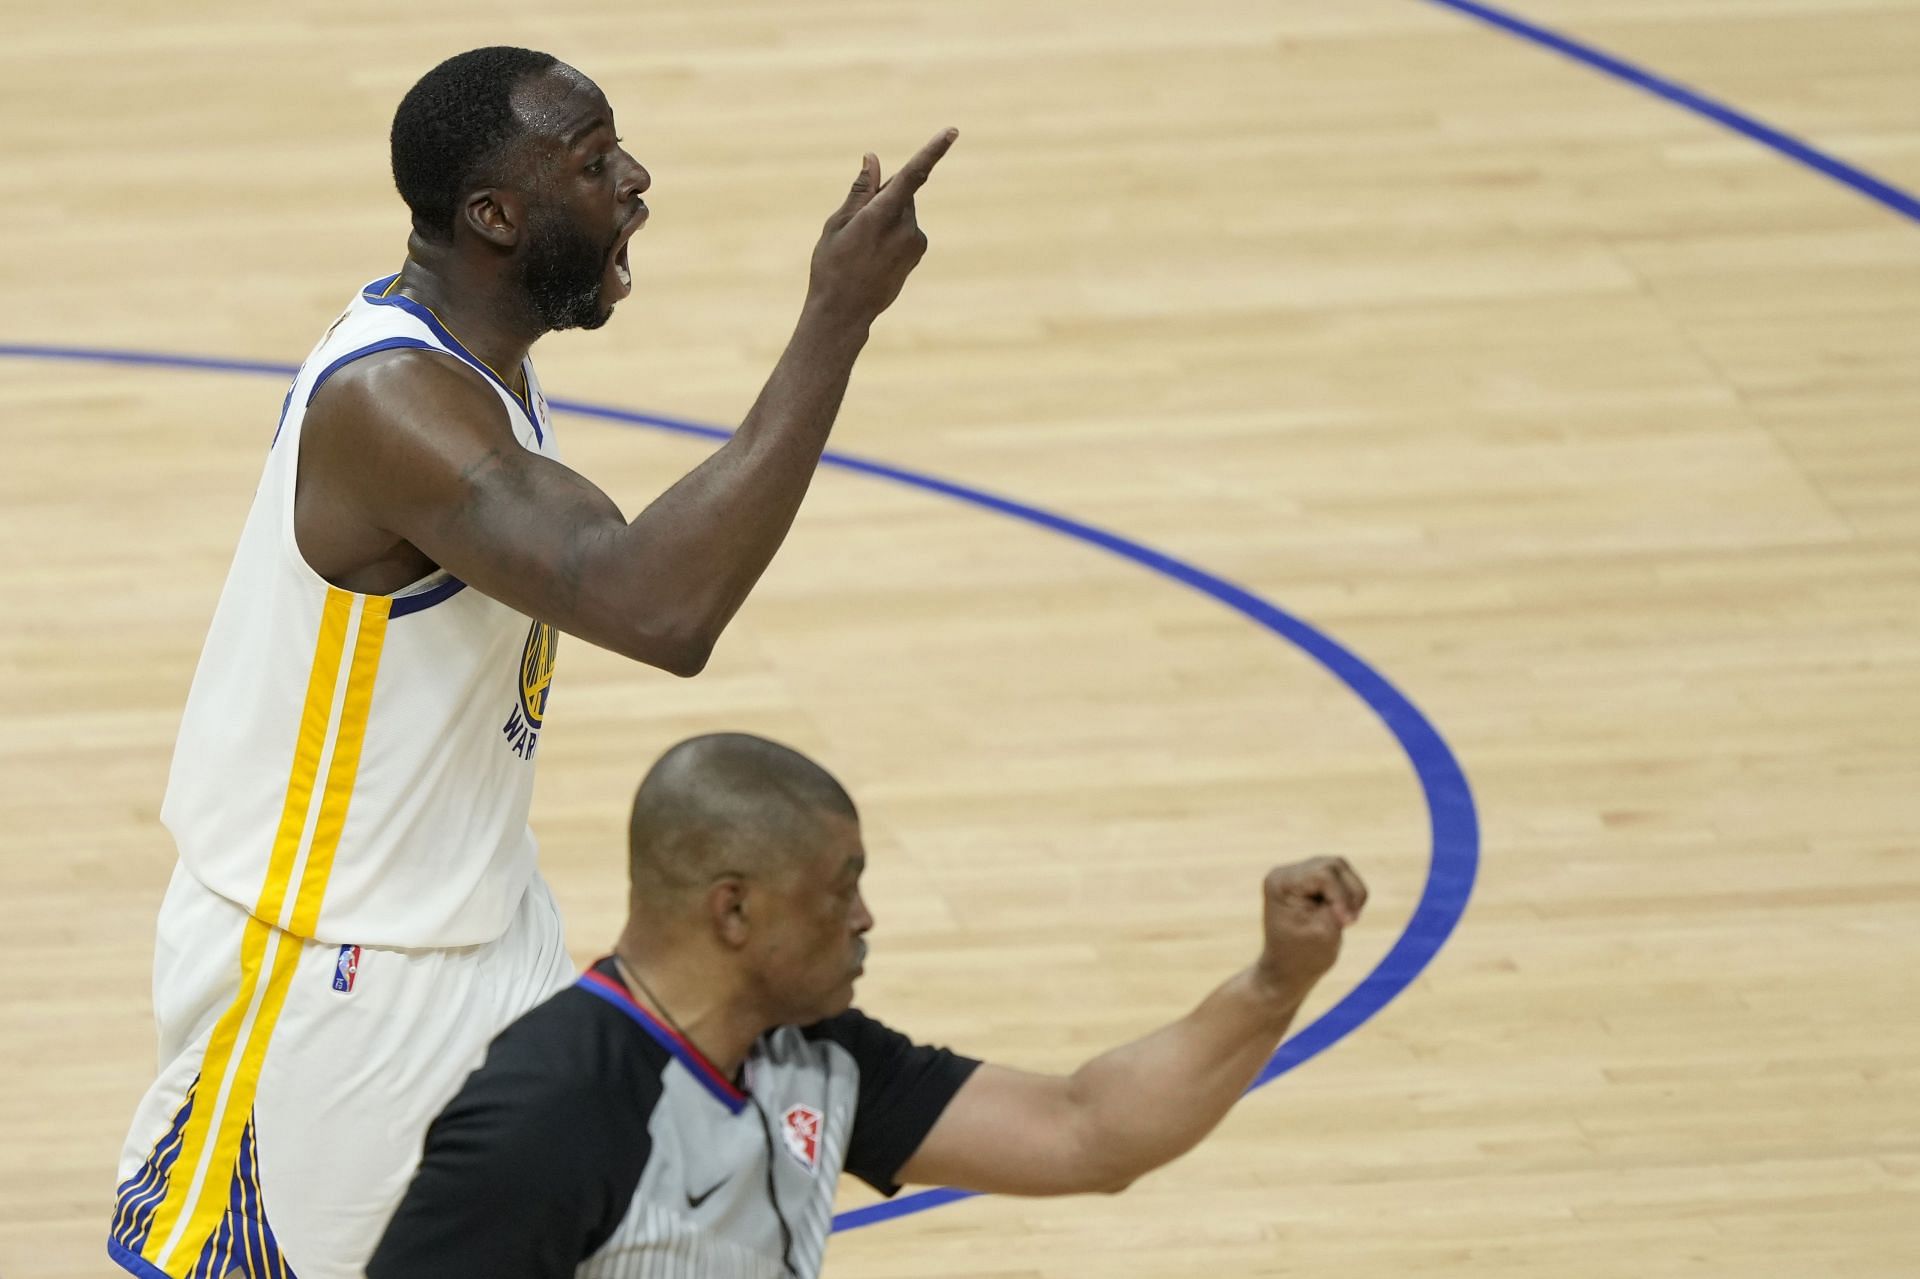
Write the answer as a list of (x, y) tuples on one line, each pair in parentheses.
[(453, 124), (728, 803)]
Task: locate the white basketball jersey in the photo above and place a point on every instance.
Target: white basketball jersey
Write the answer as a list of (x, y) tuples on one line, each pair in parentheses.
[(353, 768)]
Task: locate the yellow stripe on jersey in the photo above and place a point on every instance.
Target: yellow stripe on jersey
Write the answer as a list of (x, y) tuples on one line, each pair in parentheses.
[(211, 1202), (314, 726), (345, 766), (213, 1135)]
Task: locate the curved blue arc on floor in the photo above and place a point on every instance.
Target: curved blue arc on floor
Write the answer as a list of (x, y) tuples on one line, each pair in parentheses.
[(1454, 826), (1876, 189), (1454, 823)]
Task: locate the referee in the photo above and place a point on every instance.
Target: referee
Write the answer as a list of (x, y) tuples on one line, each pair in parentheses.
[(687, 1107)]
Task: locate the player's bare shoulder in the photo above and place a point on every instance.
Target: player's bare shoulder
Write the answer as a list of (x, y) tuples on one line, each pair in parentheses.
[(385, 438)]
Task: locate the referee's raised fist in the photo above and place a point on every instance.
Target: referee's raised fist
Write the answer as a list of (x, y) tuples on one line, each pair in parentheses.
[(1308, 906)]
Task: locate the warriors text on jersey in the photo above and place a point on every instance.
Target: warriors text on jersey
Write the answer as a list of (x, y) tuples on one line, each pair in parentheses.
[(353, 768)]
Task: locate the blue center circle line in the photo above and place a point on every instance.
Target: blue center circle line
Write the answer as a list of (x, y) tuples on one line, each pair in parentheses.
[(1726, 116), (1453, 822)]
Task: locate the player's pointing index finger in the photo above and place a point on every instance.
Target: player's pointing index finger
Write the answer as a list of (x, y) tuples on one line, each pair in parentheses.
[(913, 174)]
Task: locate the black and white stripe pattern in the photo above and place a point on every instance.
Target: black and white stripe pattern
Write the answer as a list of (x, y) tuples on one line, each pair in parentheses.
[(596, 1143), (736, 1230)]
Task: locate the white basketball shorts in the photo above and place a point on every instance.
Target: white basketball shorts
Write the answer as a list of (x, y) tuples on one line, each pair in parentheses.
[(297, 1080)]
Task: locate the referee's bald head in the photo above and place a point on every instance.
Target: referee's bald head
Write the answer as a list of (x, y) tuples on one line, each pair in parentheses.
[(726, 804)]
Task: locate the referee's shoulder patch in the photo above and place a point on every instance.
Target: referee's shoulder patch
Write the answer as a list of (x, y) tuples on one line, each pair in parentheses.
[(800, 1134)]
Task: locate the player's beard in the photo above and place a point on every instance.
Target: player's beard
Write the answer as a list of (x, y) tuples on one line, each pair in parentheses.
[(563, 273)]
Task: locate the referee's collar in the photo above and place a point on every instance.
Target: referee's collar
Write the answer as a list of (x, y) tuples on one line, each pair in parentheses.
[(605, 985)]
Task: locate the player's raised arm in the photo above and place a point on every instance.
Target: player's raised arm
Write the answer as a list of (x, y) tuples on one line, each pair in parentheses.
[(1141, 1105), (415, 447)]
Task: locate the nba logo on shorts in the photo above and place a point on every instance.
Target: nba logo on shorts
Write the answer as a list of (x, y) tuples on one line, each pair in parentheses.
[(801, 1128), (345, 968)]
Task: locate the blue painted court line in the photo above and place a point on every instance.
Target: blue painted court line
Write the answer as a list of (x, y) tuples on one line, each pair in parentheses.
[(1454, 854), (154, 359), (1876, 189), (1453, 821), (1455, 849)]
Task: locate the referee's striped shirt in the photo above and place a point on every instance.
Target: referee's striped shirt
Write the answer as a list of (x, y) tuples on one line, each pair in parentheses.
[(596, 1142)]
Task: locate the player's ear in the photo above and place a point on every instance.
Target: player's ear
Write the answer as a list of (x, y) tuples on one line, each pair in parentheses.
[(495, 215), (727, 905)]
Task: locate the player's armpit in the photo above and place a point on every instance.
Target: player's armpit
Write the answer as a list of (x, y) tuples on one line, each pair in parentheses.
[(1016, 1133), (413, 446)]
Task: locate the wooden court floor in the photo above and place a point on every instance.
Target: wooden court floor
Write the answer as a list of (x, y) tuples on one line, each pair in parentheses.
[(1587, 423)]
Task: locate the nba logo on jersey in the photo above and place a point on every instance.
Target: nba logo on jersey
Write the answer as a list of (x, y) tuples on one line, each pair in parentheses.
[(801, 1128), (345, 969)]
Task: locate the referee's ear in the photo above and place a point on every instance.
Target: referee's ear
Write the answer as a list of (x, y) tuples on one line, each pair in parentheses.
[(727, 905)]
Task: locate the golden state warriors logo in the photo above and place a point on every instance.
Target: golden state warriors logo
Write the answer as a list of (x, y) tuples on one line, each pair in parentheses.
[(536, 672), (536, 679)]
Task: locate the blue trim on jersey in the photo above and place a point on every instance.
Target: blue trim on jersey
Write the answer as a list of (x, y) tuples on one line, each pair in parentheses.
[(251, 1246), (134, 1263), (281, 425), (372, 348), (376, 293), (217, 1253), (244, 1243), (453, 585), (406, 604), (140, 1194), (723, 1092)]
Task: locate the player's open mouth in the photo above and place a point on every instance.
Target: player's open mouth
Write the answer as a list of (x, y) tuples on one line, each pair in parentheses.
[(622, 267)]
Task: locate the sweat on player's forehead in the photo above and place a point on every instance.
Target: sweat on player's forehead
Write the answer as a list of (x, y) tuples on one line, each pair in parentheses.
[(560, 104)]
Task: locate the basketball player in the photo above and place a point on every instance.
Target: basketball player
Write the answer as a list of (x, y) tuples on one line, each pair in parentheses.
[(356, 910), (686, 1109)]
